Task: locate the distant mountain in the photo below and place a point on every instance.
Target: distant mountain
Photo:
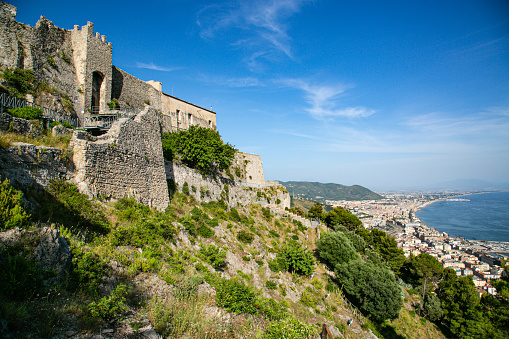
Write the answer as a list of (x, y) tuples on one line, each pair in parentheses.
[(318, 191)]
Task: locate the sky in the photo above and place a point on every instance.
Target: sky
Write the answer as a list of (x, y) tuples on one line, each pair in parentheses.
[(383, 94)]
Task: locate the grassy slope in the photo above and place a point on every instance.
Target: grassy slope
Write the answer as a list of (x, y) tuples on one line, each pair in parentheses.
[(140, 251)]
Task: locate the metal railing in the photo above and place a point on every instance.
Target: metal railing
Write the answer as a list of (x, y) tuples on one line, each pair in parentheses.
[(104, 121), (49, 114)]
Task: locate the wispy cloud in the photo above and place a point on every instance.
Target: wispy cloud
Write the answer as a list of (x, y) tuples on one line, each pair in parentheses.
[(324, 100), (155, 67), (484, 125), (232, 82), (261, 25)]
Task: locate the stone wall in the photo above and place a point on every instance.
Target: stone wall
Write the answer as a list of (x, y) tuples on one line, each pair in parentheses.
[(127, 161), (132, 91), (251, 168), (218, 187)]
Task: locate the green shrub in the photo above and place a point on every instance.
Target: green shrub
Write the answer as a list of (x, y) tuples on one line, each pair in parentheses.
[(335, 248), (66, 59), (113, 104), (87, 269), (20, 279), (289, 329), (185, 188), (65, 124), (111, 306), (187, 287), (12, 213), (371, 288), (270, 285), (199, 148), (66, 206), (235, 297), (22, 81), (214, 255), (308, 299), (28, 113), (51, 61), (245, 237), (271, 309), (266, 213), (205, 231), (274, 234), (293, 258)]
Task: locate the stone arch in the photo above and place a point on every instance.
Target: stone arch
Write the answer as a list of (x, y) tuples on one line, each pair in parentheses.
[(97, 88)]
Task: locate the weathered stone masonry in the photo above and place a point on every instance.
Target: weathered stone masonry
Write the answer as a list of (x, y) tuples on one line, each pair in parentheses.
[(127, 161)]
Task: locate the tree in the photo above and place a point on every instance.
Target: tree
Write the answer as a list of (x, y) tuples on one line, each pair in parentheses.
[(293, 258), (424, 269), (373, 289), (199, 148), (334, 248), (431, 307), (461, 306), (316, 211), (341, 217), (387, 247)]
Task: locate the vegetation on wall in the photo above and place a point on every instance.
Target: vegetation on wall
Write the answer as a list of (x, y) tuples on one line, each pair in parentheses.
[(199, 148), (19, 82)]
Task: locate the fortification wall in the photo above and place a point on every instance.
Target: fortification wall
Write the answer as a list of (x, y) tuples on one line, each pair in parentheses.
[(214, 188), (251, 168), (133, 91), (127, 161)]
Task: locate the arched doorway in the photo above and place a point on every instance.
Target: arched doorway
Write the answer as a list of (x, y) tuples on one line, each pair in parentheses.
[(97, 80)]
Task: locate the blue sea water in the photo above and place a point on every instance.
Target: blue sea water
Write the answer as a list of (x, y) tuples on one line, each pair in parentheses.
[(484, 217)]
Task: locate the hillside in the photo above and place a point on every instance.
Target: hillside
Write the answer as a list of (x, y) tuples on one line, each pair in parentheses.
[(317, 191), (196, 270)]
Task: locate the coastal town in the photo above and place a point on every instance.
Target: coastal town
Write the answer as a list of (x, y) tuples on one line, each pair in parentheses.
[(396, 215)]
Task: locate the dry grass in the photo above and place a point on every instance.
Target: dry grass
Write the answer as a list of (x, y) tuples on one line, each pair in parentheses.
[(61, 141), (177, 318)]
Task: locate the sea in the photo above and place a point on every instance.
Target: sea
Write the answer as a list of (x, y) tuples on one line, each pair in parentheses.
[(484, 216)]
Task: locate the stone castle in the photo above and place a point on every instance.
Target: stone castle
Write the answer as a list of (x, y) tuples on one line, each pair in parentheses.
[(127, 160)]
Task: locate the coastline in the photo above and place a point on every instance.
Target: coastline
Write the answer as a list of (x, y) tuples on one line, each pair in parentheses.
[(470, 231)]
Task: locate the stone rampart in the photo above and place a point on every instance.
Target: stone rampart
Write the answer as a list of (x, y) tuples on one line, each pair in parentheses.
[(218, 187), (134, 92), (251, 169), (127, 161)]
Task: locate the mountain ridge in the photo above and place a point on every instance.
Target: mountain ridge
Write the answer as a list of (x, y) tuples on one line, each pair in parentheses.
[(329, 191)]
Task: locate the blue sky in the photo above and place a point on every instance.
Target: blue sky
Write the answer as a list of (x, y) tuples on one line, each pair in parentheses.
[(385, 94)]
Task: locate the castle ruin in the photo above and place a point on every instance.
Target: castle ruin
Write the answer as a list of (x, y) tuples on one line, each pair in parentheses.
[(127, 160)]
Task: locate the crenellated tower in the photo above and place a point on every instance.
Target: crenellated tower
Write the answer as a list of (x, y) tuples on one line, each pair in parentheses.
[(93, 61)]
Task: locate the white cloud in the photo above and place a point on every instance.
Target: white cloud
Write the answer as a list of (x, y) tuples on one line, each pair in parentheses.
[(231, 82), (324, 100), (155, 67), (261, 26)]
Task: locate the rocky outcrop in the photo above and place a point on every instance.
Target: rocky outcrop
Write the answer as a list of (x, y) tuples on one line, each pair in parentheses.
[(46, 247), (31, 167), (12, 124)]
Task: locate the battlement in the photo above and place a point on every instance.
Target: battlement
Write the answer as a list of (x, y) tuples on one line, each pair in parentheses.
[(88, 32)]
